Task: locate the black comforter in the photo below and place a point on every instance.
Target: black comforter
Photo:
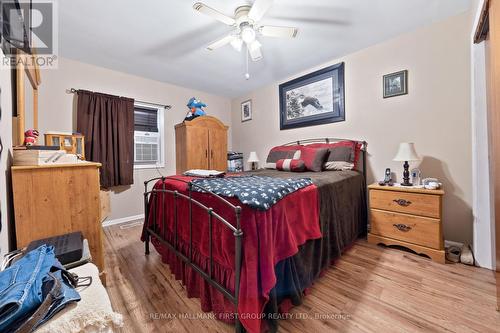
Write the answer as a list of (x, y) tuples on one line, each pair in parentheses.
[(343, 218)]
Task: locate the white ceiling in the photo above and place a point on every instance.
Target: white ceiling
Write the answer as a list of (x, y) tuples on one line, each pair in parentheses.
[(164, 39)]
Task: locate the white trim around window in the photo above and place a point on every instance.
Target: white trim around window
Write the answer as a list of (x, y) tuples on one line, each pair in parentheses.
[(161, 131)]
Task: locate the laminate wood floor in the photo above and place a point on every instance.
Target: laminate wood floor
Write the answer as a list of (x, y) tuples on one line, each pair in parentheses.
[(370, 289)]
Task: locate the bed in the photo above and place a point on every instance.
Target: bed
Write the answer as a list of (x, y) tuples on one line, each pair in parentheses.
[(245, 264)]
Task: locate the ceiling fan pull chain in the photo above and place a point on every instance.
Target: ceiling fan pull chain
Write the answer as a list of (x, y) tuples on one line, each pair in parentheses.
[(247, 74)]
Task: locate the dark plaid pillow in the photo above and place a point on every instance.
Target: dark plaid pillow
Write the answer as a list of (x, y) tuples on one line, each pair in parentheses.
[(342, 151), (281, 153), (291, 165), (314, 158)]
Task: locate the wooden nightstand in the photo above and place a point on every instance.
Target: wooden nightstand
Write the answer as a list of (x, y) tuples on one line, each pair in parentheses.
[(408, 217)]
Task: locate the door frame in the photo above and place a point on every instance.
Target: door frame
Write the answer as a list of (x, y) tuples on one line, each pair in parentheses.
[(488, 31)]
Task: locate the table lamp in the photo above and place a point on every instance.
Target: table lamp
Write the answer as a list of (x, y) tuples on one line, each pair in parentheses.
[(253, 160), (405, 154)]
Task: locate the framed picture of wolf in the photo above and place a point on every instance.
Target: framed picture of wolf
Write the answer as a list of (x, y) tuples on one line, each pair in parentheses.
[(313, 99)]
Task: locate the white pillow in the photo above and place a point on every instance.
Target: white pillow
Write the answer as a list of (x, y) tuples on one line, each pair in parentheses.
[(338, 165)]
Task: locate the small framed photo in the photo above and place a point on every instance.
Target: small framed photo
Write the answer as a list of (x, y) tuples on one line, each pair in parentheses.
[(396, 84), (246, 111)]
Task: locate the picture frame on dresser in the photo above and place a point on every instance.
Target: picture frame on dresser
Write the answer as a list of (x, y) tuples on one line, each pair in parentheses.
[(313, 99)]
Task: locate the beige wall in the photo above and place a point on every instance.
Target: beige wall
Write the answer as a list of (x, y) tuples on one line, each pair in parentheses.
[(6, 159), (435, 114), (56, 114)]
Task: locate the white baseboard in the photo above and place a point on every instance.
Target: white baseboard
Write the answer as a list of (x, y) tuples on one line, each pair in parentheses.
[(109, 223)]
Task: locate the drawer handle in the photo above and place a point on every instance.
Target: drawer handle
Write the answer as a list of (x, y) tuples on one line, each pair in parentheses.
[(402, 202), (402, 227)]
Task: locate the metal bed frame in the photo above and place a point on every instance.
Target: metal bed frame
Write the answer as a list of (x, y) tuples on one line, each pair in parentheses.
[(211, 215)]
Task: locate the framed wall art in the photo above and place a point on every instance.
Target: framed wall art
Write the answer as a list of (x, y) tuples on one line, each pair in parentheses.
[(313, 99), (396, 84), (246, 110)]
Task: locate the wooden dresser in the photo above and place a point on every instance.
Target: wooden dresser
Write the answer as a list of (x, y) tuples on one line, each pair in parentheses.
[(201, 144), (408, 217), (51, 200)]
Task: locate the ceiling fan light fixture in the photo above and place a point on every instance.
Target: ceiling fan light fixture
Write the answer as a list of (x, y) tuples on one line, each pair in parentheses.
[(254, 45), (246, 28), (248, 34), (237, 43)]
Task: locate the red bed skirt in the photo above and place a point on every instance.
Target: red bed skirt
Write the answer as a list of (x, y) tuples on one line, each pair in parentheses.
[(268, 237)]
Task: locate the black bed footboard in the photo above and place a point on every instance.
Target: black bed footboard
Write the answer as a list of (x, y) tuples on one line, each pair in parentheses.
[(152, 230)]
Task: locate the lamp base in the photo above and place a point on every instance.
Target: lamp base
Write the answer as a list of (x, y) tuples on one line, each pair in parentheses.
[(406, 175)]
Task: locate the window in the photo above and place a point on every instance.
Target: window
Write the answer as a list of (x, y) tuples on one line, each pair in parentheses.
[(149, 142)]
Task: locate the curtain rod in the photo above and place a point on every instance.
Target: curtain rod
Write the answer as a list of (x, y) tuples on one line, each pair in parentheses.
[(166, 107)]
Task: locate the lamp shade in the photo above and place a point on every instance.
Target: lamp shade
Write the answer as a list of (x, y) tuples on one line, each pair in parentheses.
[(253, 157), (406, 152)]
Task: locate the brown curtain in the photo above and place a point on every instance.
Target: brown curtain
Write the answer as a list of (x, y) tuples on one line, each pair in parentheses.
[(107, 122)]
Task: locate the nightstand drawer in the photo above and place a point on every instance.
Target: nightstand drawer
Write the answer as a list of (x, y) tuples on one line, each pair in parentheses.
[(406, 202), (412, 229)]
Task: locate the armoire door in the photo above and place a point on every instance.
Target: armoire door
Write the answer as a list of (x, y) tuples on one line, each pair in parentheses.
[(218, 149), (198, 148)]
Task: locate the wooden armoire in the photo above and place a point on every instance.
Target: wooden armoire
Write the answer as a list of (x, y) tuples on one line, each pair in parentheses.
[(201, 144)]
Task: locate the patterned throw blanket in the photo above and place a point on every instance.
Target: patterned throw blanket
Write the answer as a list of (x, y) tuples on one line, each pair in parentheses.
[(258, 192)]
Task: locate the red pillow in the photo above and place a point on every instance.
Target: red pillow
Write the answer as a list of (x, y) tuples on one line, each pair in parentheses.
[(313, 157), (291, 165)]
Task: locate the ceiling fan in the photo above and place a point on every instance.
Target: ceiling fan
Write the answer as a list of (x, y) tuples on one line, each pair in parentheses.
[(246, 27)]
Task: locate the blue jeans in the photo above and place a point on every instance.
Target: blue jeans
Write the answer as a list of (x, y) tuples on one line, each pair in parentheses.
[(25, 284)]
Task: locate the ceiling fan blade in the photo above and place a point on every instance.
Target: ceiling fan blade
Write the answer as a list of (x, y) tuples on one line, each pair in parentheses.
[(272, 31), (221, 42), (255, 53), (202, 8), (259, 8)]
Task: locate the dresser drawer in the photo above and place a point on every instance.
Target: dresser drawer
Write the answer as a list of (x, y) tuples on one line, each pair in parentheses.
[(406, 202), (408, 228)]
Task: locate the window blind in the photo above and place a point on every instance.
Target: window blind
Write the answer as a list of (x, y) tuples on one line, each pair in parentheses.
[(145, 119)]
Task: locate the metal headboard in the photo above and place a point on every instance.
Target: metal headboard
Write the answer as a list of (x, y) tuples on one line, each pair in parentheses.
[(324, 140)]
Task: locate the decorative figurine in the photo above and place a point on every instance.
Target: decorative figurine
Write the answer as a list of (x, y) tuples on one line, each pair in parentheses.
[(195, 107), (30, 137)]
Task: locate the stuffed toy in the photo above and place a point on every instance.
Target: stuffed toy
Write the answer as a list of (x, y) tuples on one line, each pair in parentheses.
[(30, 137), (195, 108)]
